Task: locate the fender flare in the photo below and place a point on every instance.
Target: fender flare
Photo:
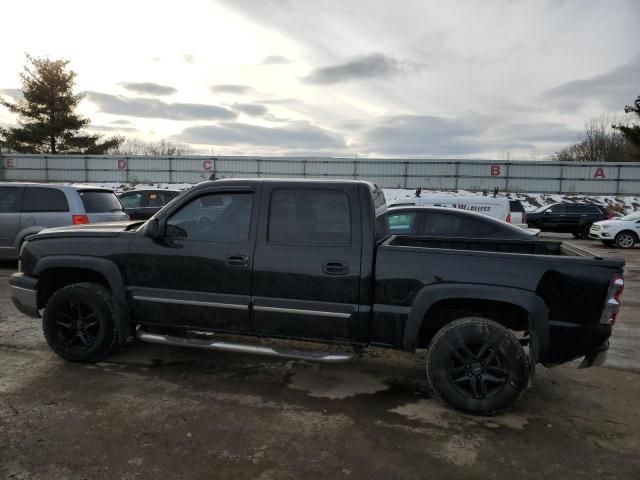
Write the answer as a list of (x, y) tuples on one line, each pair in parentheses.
[(22, 235), (109, 271), (530, 302)]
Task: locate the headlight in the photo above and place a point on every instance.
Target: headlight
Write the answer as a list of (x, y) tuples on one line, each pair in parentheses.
[(607, 226)]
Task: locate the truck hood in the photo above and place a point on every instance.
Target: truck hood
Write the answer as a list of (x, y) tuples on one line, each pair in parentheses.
[(107, 229)]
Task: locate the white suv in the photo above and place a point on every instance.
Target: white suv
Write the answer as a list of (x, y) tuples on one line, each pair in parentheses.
[(622, 232)]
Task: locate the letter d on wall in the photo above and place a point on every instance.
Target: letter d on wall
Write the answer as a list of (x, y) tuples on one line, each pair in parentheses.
[(122, 164)]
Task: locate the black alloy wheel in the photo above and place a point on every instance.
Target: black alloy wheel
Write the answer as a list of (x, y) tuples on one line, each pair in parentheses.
[(79, 322), (477, 366)]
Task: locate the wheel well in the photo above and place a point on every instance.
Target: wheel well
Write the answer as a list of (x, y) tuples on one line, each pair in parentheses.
[(443, 312), (635, 234), (54, 279)]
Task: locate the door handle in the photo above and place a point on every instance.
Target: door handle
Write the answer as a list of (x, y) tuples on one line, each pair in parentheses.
[(335, 268), (237, 261)]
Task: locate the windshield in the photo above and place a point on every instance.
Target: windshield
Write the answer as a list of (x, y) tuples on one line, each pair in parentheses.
[(543, 208), (631, 217)]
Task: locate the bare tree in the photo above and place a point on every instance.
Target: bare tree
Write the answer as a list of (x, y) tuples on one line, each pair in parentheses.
[(599, 142), (161, 148)]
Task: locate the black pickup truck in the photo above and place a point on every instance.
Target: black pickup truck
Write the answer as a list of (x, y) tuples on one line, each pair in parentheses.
[(300, 259)]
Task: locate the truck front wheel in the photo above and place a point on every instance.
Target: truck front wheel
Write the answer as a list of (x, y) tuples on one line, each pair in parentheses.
[(79, 322), (477, 366)]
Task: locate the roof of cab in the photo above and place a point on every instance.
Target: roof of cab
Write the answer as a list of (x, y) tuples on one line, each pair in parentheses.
[(235, 181)]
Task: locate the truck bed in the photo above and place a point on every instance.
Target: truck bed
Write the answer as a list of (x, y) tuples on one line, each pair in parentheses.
[(530, 247)]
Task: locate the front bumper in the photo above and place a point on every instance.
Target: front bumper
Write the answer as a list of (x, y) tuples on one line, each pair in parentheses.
[(601, 234), (24, 294)]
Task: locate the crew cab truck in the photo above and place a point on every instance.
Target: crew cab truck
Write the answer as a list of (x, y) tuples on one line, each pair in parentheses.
[(300, 259)]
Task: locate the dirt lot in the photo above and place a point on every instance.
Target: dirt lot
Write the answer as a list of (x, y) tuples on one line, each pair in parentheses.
[(155, 412)]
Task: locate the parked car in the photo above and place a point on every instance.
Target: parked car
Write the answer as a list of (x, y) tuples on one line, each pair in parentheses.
[(623, 232), (575, 218), (144, 204), (447, 222), (27, 208), (496, 207), (298, 259)]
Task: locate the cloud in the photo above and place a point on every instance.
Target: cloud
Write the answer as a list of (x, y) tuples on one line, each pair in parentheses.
[(14, 93), (231, 88), (149, 88), (187, 57), (423, 135), (364, 67), (275, 60), (613, 89), (120, 122), (111, 128), (292, 136), (427, 135), (154, 108), (253, 109)]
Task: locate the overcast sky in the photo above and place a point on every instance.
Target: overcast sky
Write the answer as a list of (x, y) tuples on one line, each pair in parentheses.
[(479, 79)]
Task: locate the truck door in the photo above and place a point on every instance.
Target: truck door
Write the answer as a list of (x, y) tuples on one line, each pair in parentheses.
[(198, 274), (307, 262)]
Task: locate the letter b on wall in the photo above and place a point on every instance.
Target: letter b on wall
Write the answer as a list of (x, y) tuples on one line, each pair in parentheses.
[(495, 170)]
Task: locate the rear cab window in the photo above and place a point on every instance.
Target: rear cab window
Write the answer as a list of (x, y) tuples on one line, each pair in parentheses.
[(40, 199), (99, 201)]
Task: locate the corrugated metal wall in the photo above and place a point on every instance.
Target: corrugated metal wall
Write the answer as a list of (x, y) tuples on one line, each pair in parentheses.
[(516, 176)]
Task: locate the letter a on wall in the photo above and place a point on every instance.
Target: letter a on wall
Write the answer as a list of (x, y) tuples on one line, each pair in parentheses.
[(599, 173)]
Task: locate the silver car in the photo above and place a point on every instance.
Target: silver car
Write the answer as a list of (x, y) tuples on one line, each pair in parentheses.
[(27, 208)]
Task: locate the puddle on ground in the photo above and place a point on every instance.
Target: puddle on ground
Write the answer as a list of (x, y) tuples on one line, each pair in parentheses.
[(335, 384)]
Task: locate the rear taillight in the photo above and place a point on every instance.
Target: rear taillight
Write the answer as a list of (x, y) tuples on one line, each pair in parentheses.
[(79, 219), (524, 217), (509, 218), (612, 305), (609, 214)]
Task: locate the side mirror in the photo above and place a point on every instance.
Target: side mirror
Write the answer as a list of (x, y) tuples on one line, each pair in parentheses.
[(547, 212), (154, 229)]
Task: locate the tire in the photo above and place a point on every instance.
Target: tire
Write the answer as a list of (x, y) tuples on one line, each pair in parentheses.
[(477, 366), (576, 235), (79, 323), (625, 240), (585, 231)]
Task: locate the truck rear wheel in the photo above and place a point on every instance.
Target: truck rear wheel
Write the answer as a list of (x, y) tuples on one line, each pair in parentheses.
[(79, 322), (477, 366)]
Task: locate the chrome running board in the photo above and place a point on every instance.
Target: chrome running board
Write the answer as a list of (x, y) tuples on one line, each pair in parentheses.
[(161, 339)]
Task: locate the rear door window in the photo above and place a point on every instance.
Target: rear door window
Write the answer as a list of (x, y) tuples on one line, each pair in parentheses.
[(38, 199), (96, 201), (10, 199), (311, 217)]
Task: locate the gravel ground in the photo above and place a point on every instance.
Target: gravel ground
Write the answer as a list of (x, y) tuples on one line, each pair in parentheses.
[(156, 411)]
